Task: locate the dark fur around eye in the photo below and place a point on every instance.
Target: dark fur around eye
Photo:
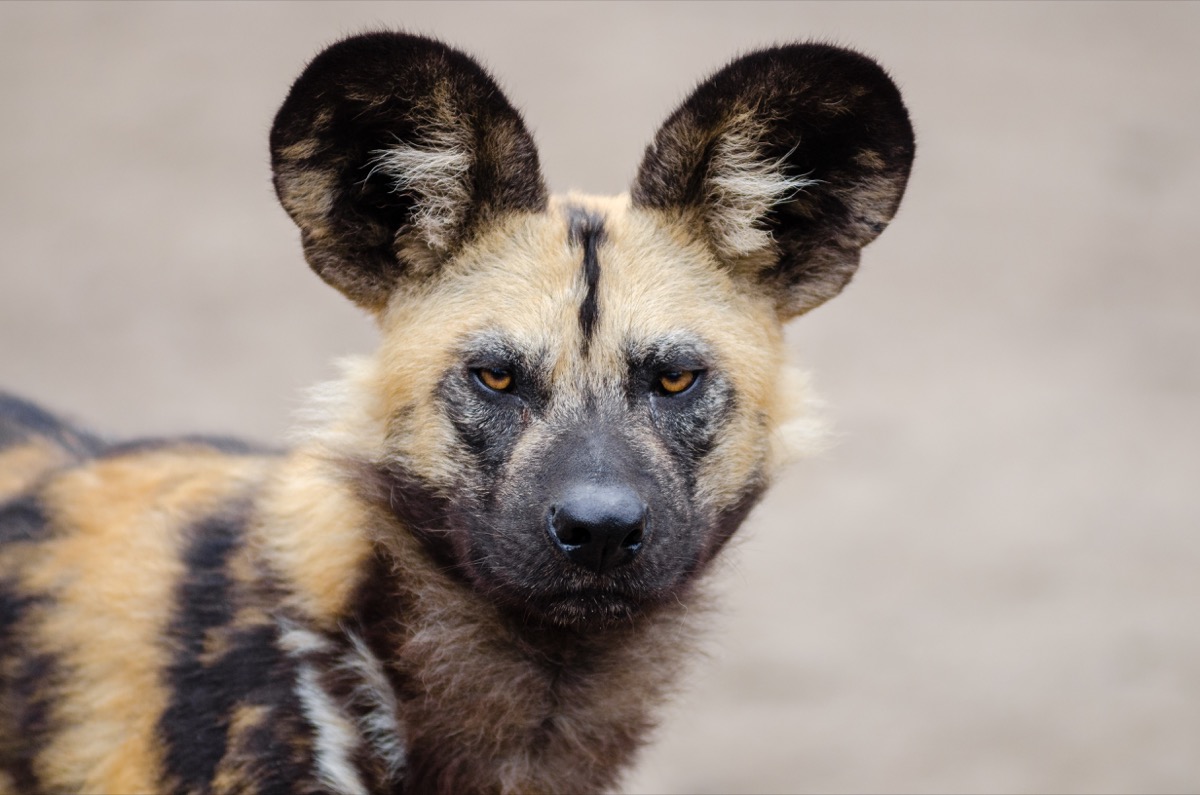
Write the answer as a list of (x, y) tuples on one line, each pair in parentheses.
[(653, 364), (497, 368)]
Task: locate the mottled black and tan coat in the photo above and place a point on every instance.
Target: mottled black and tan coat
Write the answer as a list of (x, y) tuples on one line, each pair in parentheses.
[(479, 572)]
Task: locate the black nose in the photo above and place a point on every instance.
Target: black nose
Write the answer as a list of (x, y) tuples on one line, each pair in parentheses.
[(599, 526)]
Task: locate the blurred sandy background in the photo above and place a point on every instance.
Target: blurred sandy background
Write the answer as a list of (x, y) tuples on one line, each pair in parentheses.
[(991, 584)]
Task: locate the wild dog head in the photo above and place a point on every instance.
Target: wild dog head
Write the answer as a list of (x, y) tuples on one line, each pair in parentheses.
[(577, 400)]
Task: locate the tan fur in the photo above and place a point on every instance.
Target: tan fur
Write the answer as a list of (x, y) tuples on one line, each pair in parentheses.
[(23, 464), (304, 493), (126, 513)]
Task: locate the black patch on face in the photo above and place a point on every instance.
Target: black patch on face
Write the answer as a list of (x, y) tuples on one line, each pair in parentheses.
[(23, 519), (204, 692), (489, 423), (650, 443), (586, 230), (689, 422), (21, 420), (493, 530)]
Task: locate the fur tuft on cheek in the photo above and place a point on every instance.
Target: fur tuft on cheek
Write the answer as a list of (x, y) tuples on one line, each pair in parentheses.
[(343, 418), (801, 430)]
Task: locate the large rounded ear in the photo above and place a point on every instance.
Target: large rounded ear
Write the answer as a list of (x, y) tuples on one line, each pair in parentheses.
[(791, 160), (389, 152)]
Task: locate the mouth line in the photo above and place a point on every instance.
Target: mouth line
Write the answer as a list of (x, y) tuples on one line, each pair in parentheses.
[(587, 607), (588, 594), (589, 600)]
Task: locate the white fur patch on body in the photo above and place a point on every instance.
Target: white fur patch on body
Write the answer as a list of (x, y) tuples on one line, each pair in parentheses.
[(336, 738), (372, 692), (338, 735)]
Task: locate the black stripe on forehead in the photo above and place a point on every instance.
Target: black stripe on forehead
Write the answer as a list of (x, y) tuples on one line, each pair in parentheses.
[(586, 229)]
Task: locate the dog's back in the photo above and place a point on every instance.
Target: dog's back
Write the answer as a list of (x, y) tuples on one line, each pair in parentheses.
[(114, 576), (34, 442)]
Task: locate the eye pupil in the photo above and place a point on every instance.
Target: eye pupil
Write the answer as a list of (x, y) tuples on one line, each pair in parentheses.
[(495, 379), (674, 382)]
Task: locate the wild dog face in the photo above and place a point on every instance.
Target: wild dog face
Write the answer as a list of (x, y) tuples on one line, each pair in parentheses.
[(578, 400)]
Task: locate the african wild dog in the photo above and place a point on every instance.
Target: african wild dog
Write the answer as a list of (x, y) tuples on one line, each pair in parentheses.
[(476, 573)]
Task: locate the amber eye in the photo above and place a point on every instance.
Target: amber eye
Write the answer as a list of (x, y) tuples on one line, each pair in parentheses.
[(674, 382), (495, 379)]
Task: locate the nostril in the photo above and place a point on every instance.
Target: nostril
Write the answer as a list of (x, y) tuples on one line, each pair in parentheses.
[(573, 535), (634, 539)]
